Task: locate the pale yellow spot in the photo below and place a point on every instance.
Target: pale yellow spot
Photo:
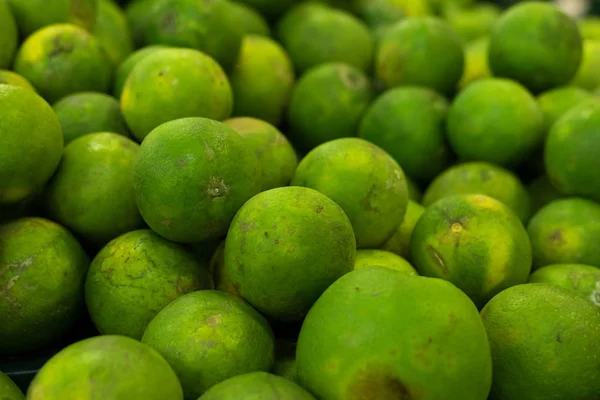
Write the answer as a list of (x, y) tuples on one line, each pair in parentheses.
[(456, 227), (486, 202), (500, 261)]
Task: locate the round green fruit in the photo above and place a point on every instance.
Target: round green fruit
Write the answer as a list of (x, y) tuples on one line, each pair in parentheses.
[(127, 66), (270, 8), (399, 243), (476, 22), (382, 258), (580, 278), (476, 62), (377, 13), (257, 386), (253, 23), (9, 390), (12, 78), (556, 102), (9, 36), (112, 32), (541, 192)]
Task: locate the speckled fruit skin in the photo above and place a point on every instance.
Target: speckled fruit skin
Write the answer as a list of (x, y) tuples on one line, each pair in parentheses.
[(174, 83), (285, 246), (536, 44), (544, 344), (94, 368), (191, 177), (257, 386), (12, 78), (401, 333), (42, 272), (473, 241), (399, 243), (9, 390), (565, 231), (364, 180), (210, 336), (63, 59), (556, 102), (382, 258), (9, 36), (134, 277), (125, 68), (579, 278), (92, 189), (31, 143)]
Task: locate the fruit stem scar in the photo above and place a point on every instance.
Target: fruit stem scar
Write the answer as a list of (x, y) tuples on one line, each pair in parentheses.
[(217, 188), (456, 227)]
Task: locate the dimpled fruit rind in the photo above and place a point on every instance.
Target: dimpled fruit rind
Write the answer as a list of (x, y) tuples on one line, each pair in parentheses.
[(42, 272), (382, 258), (580, 278), (257, 386), (571, 151), (544, 342), (494, 120), (400, 334), (481, 178), (93, 368), (63, 59), (191, 177), (285, 246), (8, 389), (364, 180), (399, 243), (536, 44), (473, 241), (91, 192), (135, 276), (174, 83), (31, 143), (565, 231), (421, 51), (210, 336)]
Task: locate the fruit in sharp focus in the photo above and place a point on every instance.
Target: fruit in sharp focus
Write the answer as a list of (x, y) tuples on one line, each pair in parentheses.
[(382, 258), (580, 278), (257, 386)]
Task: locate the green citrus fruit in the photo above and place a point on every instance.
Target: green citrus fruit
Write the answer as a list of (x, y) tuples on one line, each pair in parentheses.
[(408, 123), (134, 277), (191, 177), (403, 337), (257, 386), (285, 246), (378, 13), (12, 78), (42, 273), (270, 8), (89, 112), (92, 189), (262, 80), (586, 75), (536, 44), (174, 83), (63, 59), (9, 390), (138, 14), (93, 368), (112, 32), (473, 241), (210, 336), (565, 232), (399, 243), (580, 278), (541, 192), (9, 36), (127, 66), (589, 26), (328, 103), (544, 342), (495, 120), (31, 143), (420, 51), (571, 151), (364, 180), (414, 191), (276, 156), (476, 62), (474, 22), (556, 102), (382, 258), (252, 22), (481, 178)]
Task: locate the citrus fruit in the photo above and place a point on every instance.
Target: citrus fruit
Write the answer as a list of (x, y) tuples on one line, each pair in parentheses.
[(92, 190), (89, 112), (285, 246), (276, 156), (420, 51), (42, 271), (570, 154), (408, 123), (476, 62), (138, 14), (399, 243), (257, 386), (472, 23), (128, 64), (473, 241), (403, 337), (589, 26), (135, 276), (30, 141), (94, 367), (112, 31), (586, 75), (536, 44), (32, 15), (208, 26), (544, 344), (209, 336), (11, 78), (262, 80), (288, 22), (328, 103), (9, 36), (556, 102), (580, 278), (541, 192), (565, 232), (495, 120), (327, 35), (191, 177), (9, 390), (253, 23), (364, 180), (63, 59), (270, 8), (442, 7), (481, 178), (378, 13), (382, 258), (171, 84), (414, 191)]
